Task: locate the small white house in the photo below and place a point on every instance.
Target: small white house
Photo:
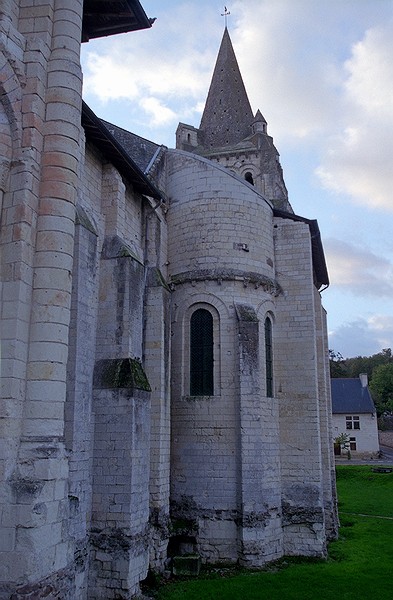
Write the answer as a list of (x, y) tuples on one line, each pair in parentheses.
[(354, 414)]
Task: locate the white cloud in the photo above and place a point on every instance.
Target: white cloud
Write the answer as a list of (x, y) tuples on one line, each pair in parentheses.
[(357, 160), (168, 61), (108, 79), (160, 114), (322, 75), (357, 270), (363, 337), (370, 81)]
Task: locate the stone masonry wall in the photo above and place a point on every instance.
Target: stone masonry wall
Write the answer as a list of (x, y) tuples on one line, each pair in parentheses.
[(120, 511), (219, 221), (297, 393), (78, 408), (119, 528), (156, 352), (43, 109), (325, 415), (260, 521), (221, 257)]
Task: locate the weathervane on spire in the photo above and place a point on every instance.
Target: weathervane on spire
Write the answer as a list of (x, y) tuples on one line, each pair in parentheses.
[(225, 14)]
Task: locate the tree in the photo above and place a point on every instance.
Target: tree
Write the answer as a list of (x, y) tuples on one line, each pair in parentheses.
[(367, 364), (352, 367), (337, 364), (381, 386)]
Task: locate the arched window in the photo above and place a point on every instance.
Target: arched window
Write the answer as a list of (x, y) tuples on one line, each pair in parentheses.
[(248, 177), (201, 353), (269, 357)]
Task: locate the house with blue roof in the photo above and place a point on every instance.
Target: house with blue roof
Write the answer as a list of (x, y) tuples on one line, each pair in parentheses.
[(354, 414)]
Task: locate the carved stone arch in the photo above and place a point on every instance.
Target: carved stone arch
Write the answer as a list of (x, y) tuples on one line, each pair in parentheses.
[(266, 316), (5, 153), (214, 367), (182, 325), (221, 307), (265, 308), (11, 81), (10, 120), (249, 173), (5, 136)]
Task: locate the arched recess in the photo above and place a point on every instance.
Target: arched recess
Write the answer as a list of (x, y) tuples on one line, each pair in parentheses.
[(201, 352), (181, 337), (5, 154), (267, 321), (249, 174), (201, 342), (249, 177), (269, 362), (10, 121)]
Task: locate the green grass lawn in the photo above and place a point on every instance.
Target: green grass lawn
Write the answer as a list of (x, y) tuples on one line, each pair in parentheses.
[(359, 565)]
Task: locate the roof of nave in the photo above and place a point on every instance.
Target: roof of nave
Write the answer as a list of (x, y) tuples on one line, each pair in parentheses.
[(227, 117), (109, 17), (141, 150), (350, 396), (122, 158)]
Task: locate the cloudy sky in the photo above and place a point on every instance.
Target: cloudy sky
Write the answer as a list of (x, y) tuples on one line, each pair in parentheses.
[(321, 72)]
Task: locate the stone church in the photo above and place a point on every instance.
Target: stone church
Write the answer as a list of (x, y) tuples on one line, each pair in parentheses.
[(164, 369)]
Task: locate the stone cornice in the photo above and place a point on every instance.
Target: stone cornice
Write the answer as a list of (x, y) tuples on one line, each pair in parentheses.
[(247, 278)]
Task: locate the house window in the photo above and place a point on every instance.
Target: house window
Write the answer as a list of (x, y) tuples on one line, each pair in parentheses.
[(201, 353), (352, 443), (352, 422), (269, 357)]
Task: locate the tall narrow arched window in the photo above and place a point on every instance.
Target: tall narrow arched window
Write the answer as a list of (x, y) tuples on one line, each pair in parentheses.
[(201, 353), (269, 357)]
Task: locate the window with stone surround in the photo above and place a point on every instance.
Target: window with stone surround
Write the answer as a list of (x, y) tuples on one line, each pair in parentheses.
[(201, 353), (352, 422), (269, 357)]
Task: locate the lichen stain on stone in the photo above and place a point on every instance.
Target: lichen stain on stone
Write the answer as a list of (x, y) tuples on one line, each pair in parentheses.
[(308, 515), (26, 489)]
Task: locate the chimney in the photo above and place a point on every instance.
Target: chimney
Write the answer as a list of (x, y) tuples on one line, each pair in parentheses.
[(363, 379)]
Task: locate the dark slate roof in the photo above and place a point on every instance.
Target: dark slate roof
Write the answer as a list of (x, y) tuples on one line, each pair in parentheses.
[(318, 255), (227, 117), (349, 397), (141, 151), (109, 17), (100, 136)]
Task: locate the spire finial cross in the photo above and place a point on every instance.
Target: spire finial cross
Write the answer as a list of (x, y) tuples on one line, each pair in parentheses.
[(225, 14)]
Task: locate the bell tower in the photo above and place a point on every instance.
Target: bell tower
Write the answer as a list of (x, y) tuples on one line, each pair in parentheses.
[(230, 134)]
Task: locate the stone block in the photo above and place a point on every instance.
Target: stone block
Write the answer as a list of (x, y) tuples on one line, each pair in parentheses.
[(186, 565)]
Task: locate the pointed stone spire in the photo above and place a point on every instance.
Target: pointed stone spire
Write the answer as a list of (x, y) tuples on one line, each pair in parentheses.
[(227, 118)]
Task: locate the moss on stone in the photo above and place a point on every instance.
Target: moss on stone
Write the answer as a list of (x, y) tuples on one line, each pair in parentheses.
[(120, 373)]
